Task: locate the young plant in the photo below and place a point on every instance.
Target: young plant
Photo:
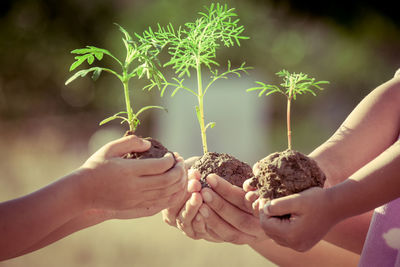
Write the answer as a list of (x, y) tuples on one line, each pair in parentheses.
[(287, 172), (140, 61), (194, 46), (293, 84)]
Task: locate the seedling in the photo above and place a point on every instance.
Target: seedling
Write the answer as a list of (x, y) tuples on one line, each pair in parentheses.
[(194, 46), (288, 172), (293, 84), (140, 61)]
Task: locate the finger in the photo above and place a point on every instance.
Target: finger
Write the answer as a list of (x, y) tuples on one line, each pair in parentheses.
[(281, 206), (124, 145), (223, 229), (194, 186), (151, 166), (161, 177), (194, 174), (236, 217), (201, 231), (256, 207), (256, 170), (188, 213), (154, 206), (249, 199), (273, 226), (228, 191), (166, 189), (199, 225), (247, 185), (176, 198), (169, 215)]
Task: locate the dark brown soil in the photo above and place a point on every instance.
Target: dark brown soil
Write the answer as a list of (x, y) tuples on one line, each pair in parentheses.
[(157, 150), (285, 173), (225, 166)]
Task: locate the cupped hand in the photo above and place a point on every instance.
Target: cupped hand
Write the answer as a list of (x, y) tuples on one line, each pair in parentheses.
[(128, 187), (227, 214), (184, 214), (311, 218)]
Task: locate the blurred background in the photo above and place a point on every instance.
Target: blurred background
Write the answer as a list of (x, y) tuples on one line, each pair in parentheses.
[(48, 129)]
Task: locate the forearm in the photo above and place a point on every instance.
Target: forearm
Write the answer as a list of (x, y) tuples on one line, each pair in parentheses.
[(350, 233), (322, 254), (27, 220), (84, 220), (376, 183), (369, 130)]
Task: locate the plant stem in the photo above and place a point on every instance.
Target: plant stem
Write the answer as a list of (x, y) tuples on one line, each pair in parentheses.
[(289, 131), (201, 109), (125, 82)]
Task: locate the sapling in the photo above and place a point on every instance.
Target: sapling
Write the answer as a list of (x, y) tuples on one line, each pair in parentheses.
[(288, 172), (140, 62), (193, 47)]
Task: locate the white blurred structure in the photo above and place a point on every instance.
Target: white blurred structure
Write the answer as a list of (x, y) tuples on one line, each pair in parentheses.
[(240, 117)]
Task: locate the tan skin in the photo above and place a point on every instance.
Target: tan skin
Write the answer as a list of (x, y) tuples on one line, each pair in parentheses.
[(225, 216), (105, 187)]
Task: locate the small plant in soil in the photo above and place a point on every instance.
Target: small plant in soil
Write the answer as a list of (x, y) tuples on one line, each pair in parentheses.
[(193, 47), (140, 61), (288, 172)]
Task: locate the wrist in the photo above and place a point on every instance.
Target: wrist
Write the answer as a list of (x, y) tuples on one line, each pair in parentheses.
[(337, 203), (84, 190)]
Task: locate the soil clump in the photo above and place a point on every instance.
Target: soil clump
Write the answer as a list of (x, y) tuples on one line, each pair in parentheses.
[(285, 173), (225, 166), (157, 150)]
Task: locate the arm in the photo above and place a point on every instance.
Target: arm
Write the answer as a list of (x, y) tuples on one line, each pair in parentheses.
[(369, 130), (106, 183)]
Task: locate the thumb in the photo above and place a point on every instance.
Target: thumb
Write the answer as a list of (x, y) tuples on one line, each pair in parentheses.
[(126, 144), (281, 206)]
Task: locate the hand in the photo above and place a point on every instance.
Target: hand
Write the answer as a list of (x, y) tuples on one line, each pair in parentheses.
[(252, 197), (129, 188), (183, 214), (227, 214), (311, 218)]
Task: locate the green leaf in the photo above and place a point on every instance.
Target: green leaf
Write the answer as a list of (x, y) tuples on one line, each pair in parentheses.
[(98, 55), (149, 107), (81, 73), (77, 63), (125, 32), (113, 118), (211, 125)]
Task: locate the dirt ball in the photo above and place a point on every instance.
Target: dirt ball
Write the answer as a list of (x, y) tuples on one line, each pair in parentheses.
[(285, 173), (225, 166)]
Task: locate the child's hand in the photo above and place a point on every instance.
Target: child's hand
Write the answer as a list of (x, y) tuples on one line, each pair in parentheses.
[(131, 188), (311, 218)]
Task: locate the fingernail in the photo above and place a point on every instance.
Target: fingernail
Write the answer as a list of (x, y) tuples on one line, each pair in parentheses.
[(192, 200), (204, 211), (212, 180), (207, 196), (146, 142), (266, 207)]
